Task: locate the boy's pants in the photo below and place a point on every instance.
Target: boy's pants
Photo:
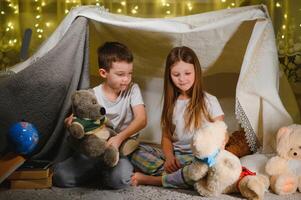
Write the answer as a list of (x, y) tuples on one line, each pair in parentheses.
[(79, 169), (150, 160)]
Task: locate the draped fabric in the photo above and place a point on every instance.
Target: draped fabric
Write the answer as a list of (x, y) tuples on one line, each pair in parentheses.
[(236, 49), (41, 93)]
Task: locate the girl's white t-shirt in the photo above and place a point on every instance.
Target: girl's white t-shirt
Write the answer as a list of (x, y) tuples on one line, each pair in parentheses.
[(181, 137), (120, 111)]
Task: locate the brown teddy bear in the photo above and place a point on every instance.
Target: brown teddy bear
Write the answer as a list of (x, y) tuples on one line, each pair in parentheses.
[(288, 145), (91, 129), (238, 145)]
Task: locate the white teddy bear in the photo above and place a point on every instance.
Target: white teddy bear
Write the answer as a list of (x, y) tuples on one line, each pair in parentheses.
[(218, 171), (216, 168), (283, 179)]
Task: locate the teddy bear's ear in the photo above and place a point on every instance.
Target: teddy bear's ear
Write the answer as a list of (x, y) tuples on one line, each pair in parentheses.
[(74, 97), (283, 136)]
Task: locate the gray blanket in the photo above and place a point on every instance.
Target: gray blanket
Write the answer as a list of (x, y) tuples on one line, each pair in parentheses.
[(40, 94)]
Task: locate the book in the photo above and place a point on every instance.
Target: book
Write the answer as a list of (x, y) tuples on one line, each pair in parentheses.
[(29, 174), (8, 164), (35, 164), (36, 169), (32, 183)]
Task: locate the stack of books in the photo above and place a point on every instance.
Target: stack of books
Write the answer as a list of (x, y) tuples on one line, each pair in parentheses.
[(32, 175), (9, 163)]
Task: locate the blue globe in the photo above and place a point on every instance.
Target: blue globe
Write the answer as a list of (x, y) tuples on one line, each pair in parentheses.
[(24, 136)]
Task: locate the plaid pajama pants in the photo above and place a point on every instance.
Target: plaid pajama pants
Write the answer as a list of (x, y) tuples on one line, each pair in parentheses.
[(150, 160)]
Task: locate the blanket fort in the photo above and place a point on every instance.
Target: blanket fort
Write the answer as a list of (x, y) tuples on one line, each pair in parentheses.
[(236, 48)]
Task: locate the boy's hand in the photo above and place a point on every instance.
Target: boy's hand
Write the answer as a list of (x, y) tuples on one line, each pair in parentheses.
[(115, 141), (171, 164), (68, 121)]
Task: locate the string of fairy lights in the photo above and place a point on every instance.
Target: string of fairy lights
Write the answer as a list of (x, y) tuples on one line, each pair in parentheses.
[(42, 16)]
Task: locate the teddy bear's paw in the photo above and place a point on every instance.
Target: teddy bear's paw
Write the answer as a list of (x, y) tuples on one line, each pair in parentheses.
[(128, 147), (253, 187), (202, 188), (284, 184), (92, 146), (199, 187), (102, 133), (196, 170), (111, 156), (265, 179), (77, 130)]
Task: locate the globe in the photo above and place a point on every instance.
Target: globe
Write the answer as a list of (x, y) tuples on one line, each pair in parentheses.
[(24, 136)]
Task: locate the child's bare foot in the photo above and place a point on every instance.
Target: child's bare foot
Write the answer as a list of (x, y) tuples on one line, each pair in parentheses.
[(141, 179), (134, 181)]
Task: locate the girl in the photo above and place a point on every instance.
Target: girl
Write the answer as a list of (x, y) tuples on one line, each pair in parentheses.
[(186, 108)]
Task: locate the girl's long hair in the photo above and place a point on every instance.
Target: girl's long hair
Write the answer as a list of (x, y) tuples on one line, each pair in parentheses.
[(196, 109)]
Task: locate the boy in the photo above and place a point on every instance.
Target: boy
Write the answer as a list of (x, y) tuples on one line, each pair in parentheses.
[(125, 108)]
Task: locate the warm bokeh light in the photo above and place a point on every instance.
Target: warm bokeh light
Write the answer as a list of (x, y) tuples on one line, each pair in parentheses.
[(43, 16)]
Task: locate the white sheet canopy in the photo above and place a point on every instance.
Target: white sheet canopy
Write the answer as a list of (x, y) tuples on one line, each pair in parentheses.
[(237, 51)]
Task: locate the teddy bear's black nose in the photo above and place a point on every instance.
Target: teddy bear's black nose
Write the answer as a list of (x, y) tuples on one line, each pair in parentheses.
[(295, 154), (102, 111)]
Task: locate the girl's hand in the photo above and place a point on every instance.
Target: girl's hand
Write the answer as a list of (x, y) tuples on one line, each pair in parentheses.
[(171, 164), (115, 141)]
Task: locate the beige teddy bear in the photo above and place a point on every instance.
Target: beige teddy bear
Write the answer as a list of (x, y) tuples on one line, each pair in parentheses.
[(218, 171), (283, 179)]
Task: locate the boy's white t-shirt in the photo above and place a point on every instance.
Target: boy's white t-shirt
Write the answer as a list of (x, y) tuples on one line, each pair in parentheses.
[(120, 111), (181, 137)]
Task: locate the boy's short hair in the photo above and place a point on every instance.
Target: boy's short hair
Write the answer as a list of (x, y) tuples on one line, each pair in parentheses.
[(111, 52)]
